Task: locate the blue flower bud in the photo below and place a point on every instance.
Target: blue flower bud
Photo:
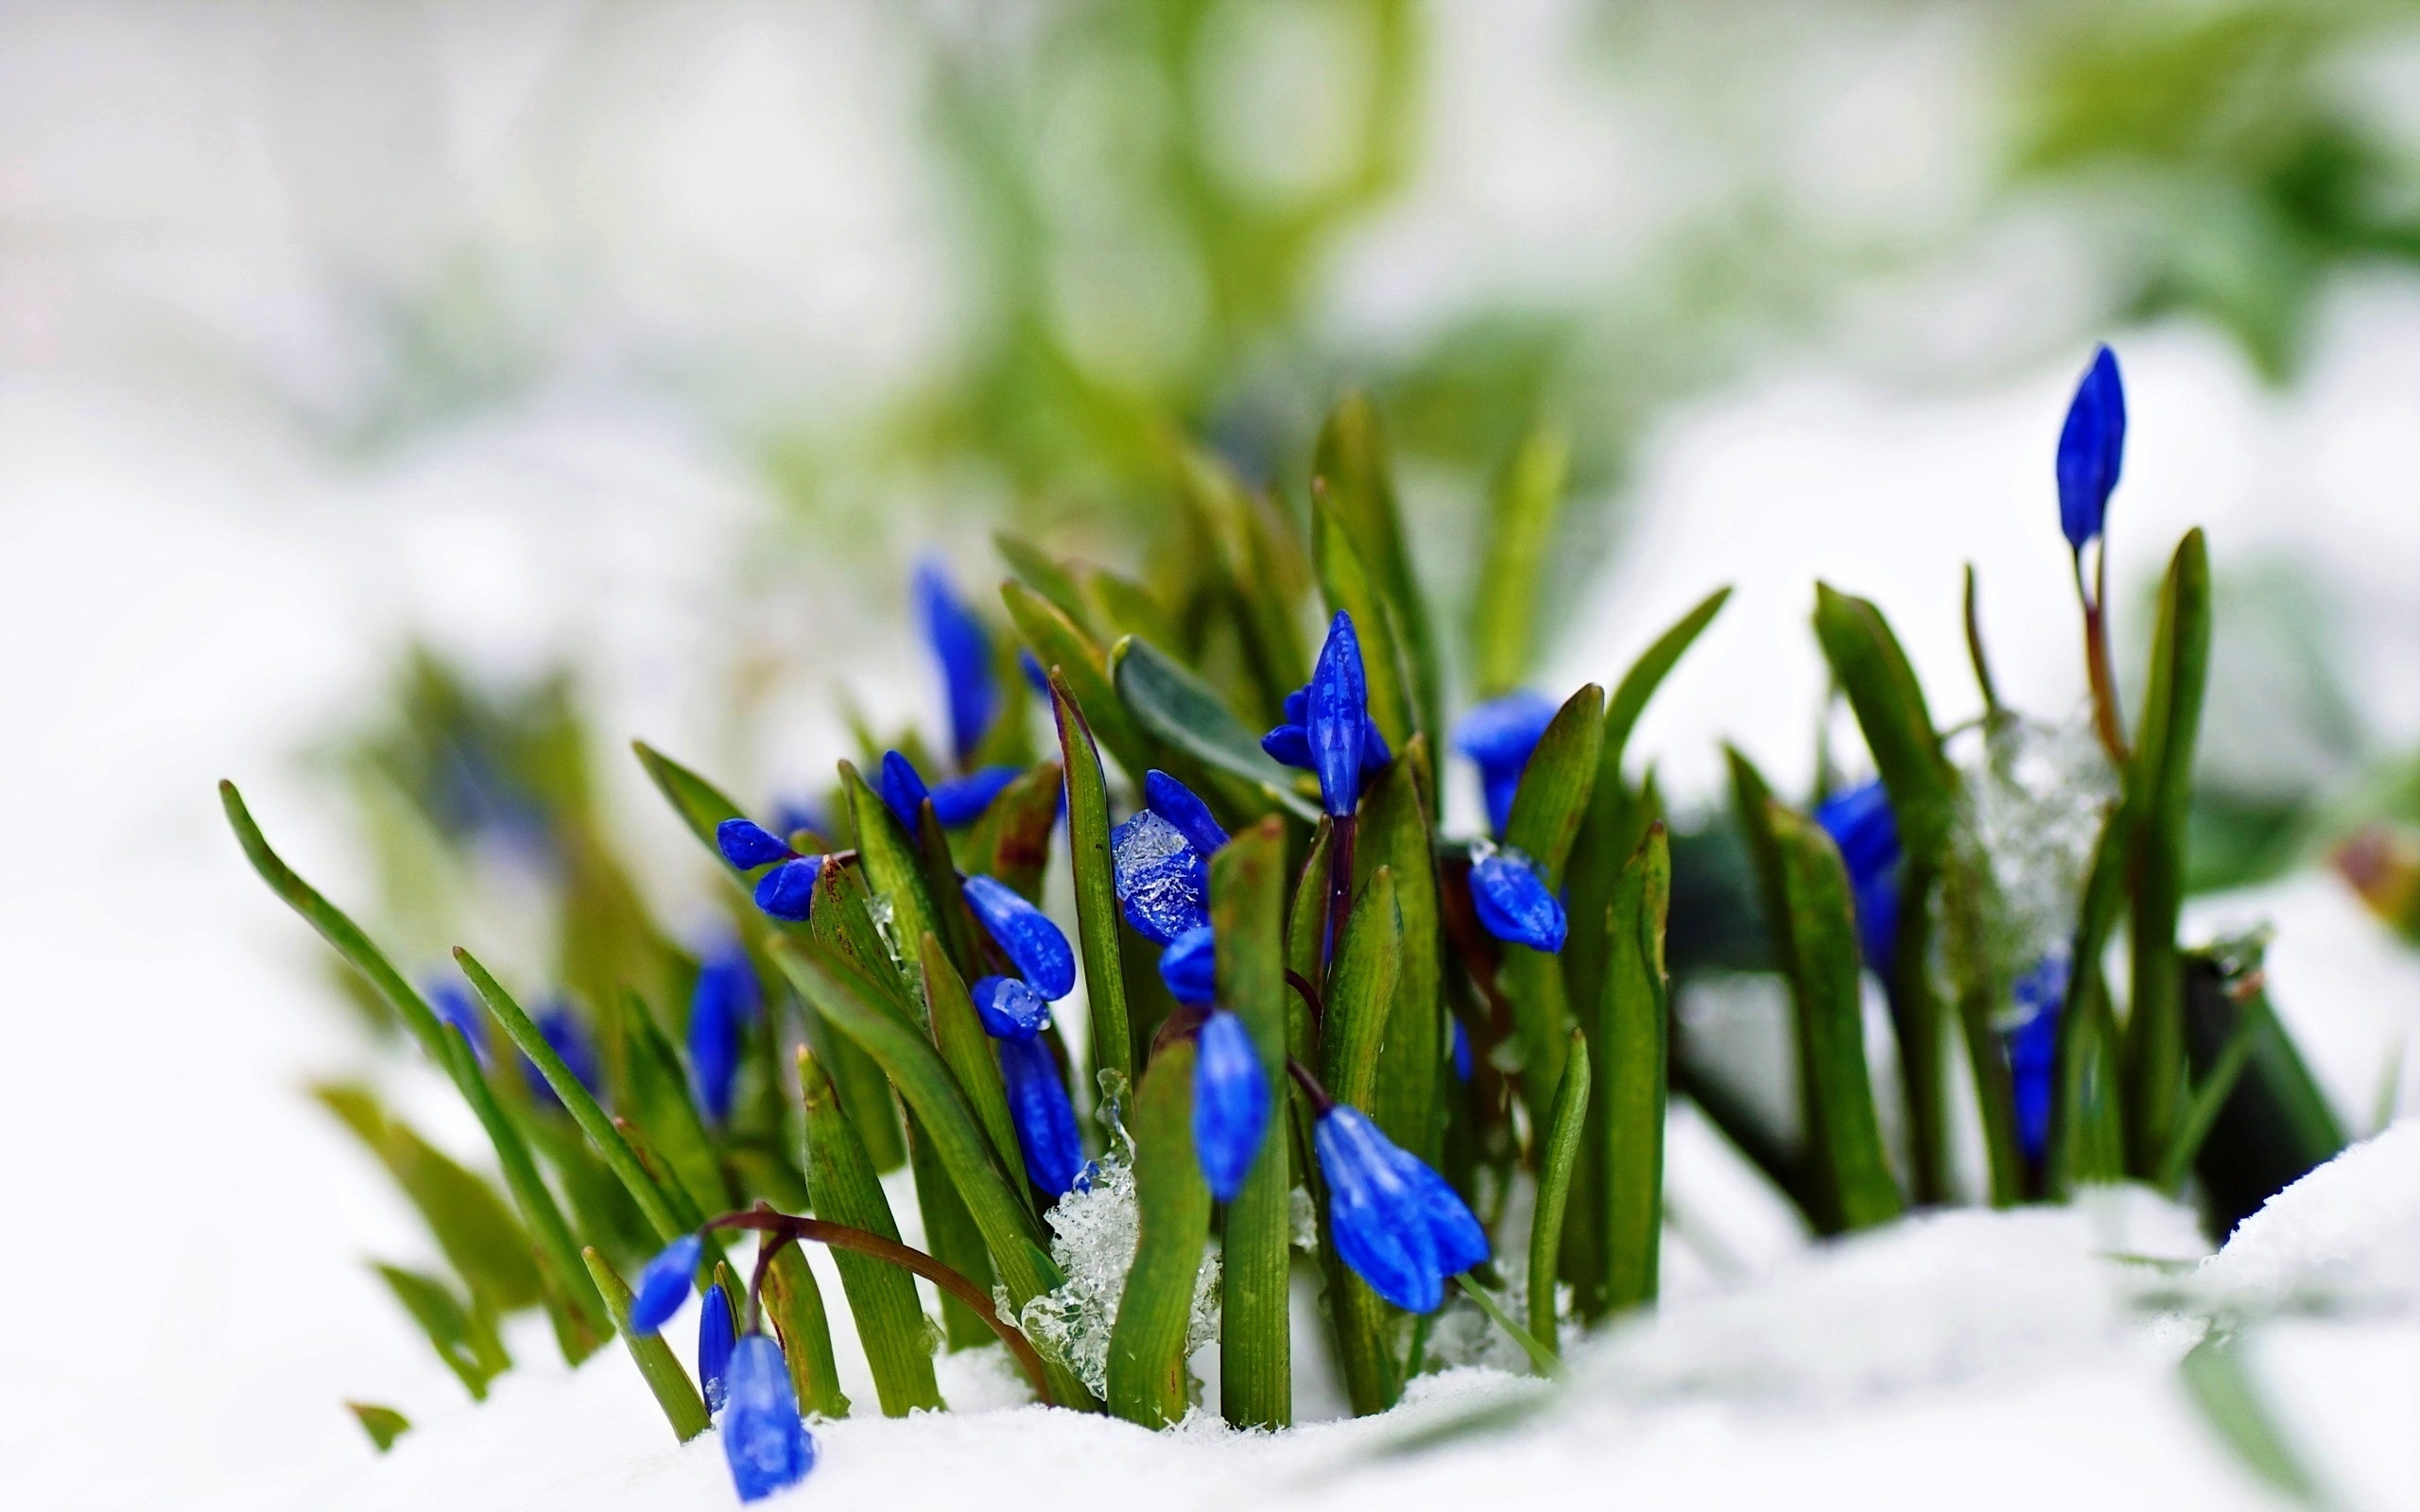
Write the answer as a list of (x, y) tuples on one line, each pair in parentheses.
[(1035, 678), (1026, 935), (2033, 1049), (962, 800), (1230, 1104), (1189, 967), (570, 1042), (721, 1006), (1513, 901), (793, 815), (763, 1438), (1288, 745), (1497, 736), (716, 1337), (455, 1010), (1328, 729), (664, 1284), (903, 789), (1178, 804), (1396, 1222), (1162, 882), (1046, 1121), (964, 647), (747, 845), (789, 890), (1462, 1054), (1010, 1009), (1861, 824), (2092, 447)]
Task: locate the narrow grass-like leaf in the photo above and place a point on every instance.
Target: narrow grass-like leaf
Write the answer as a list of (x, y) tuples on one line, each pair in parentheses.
[(1057, 643), (463, 1339), (1394, 832), (795, 1306), (1122, 606), (673, 1390), (967, 1050), (2202, 1107), (700, 805), (666, 1109), (480, 1237), (1369, 962), (1802, 1175), (1630, 1029), (1542, 1357), (2071, 1155), (1527, 501), (383, 1424), (951, 1235), (1567, 1131), (952, 921), (890, 1321), (1046, 576), (1147, 1344), (1096, 884), (1349, 587), (2159, 792), (1011, 841), (894, 866), (1351, 479), (2219, 1384), (1546, 812), (1168, 700), (1873, 670), (1255, 1348), (1263, 573)]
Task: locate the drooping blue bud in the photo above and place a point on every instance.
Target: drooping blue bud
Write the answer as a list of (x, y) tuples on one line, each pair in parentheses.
[(1046, 1121), (763, 1438), (1010, 1009), (788, 891), (1513, 901), (749, 845), (1462, 1054), (2033, 1049), (1230, 1104), (1026, 935), (1396, 1222), (715, 1337), (721, 1006), (664, 1284), (1328, 729), (1189, 966), (962, 799), (903, 789), (1178, 804), (1497, 736), (2092, 447), (455, 1010), (570, 1042), (1861, 824), (1162, 882), (964, 647)]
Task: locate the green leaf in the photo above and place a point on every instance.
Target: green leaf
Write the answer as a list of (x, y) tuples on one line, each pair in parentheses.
[(1044, 574), (1173, 703), (1351, 484), (1011, 841), (2219, 1384), (1255, 1345), (1124, 607), (482, 1240), (1874, 671), (894, 867), (958, 1032), (1260, 566), (1546, 811), (1369, 962), (2159, 792), (2201, 1107), (1058, 644), (664, 1112), (1394, 832), (463, 1337), (1146, 1382), (1567, 1131), (700, 805), (1542, 1357), (1096, 884), (383, 1424), (1512, 577), (1631, 1031), (952, 1237), (795, 1306), (890, 1321), (1350, 588), (673, 1390)]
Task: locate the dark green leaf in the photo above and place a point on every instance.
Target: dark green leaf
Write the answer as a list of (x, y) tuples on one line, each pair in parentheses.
[(481, 1238), (893, 867), (383, 1424), (1011, 841), (1351, 479), (673, 1390), (1147, 1351), (1351, 589), (1394, 832), (700, 803), (1045, 575), (951, 1235), (1546, 811), (967, 1050), (795, 1306), (1872, 669), (1181, 709), (1512, 577), (463, 1338), (1096, 883), (1630, 1027), (1566, 1128), (1369, 962), (1057, 643), (1255, 1349)]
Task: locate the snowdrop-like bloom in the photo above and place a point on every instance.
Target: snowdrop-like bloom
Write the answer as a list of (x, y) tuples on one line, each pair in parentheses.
[(1861, 822), (570, 1042), (1513, 901), (1010, 1009), (1328, 729), (1230, 1104), (715, 1337), (722, 1007), (764, 1439), (1189, 967), (2033, 1049), (664, 1284), (1046, 1121), (2092, 447), (1497, 736), (963, 648), (1396, 1222), (1026, 935)]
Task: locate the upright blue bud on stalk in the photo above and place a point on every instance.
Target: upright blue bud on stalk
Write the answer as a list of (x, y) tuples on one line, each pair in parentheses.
[(1189, 967), (1396, 1222), (721, 1006), (1230, 1104), (2092, 446), (964, 647), (1497, 736), (2033, 1049), (1513, 901), (569, 1041), (664, 1284), (1328, 729), (788, 891), (747, 845), (715, 1337), (1861, 824), (1010, 1009), (1046, 1121), (1026, 935), (764, 1439)]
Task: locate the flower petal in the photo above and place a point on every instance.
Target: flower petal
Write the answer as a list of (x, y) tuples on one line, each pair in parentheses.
[(1230, 1104), (1514, 903), (1026, 934), (1010, 1008)]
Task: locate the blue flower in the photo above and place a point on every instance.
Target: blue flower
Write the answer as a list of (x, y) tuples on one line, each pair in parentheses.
[(455, 1010), (714, 1339), (1230, 1104), (1513, 901), (1861, 822), (1396, 1222), (960, 801), (1189, 967), (1462, 1054), (1010, 1009), (747, 845), (1328, 729), (2033, 1049), (1026, 935), (903, 789), (1035, 678), (1499, 736), (721, 1007), (2092, 446), (1046, 1121), (1162, 882), (763, 1437), (664, 1284), (793, 815), (788, 891), (1178, 804), (569, 1041), (964, 647)]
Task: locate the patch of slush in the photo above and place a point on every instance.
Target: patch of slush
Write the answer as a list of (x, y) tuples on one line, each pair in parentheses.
[(2028, 811)]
